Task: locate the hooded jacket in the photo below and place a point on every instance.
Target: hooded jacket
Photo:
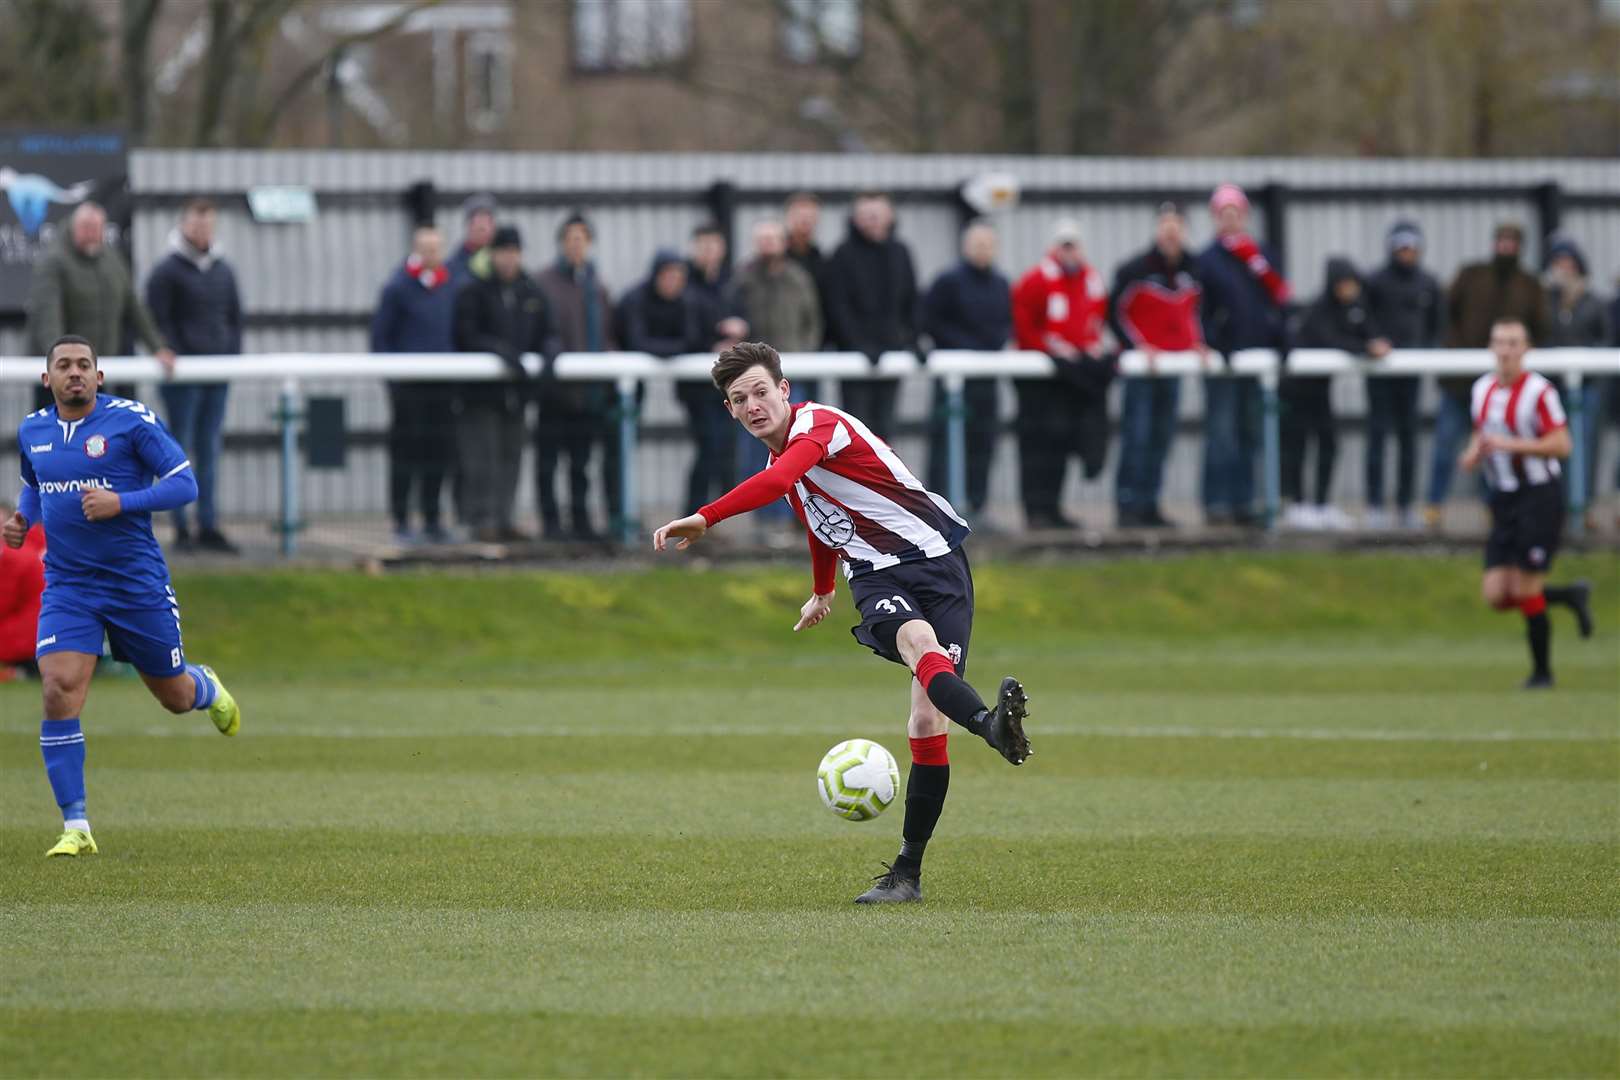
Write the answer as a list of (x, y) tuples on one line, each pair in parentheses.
[(194, 300), (653, 324), (89, 295), (871, 295), (1330, 323)]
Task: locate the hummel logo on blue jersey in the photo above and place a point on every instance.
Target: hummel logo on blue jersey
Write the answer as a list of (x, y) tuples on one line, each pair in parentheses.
[(45, 449)]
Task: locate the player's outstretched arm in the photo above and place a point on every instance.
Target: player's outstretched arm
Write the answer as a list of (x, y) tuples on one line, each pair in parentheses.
[(684, 530)]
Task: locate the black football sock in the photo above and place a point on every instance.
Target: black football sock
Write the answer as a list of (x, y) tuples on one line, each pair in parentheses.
[(950, 693), (925, 798), (1560, 594), (1540, 634)]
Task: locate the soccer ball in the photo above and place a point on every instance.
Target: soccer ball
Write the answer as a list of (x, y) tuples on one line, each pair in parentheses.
[(858, 779)]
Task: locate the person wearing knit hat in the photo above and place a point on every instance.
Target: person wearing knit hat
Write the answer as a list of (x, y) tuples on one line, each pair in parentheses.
[(1406, 302)]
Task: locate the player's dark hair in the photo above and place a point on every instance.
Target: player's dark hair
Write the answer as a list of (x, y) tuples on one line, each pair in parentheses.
[(1513, 320), (742, 356), (71, 339)]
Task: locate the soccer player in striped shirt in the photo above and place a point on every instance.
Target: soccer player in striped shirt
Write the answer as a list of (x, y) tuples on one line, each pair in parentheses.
[(901, 549), (1519, 438), (88, 463)]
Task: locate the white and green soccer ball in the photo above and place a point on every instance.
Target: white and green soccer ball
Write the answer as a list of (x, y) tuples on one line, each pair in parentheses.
[(858, 779)]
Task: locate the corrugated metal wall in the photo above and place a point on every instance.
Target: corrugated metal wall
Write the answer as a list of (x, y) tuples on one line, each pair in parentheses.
[(335, 264)]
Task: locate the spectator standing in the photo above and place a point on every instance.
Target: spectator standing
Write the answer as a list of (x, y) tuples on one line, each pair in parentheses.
[(83, 287), (708, 277), (1154, 307), (416, 314), (872, 304), (1405, 302), (1578, 319), (471, 259), (970, 307), (801, 216), (666, 317), (1481, 293), (1339, 319), (778, 297), (1245, 300), (504, 313), (194, 299), (1060, 307), (576, 416)]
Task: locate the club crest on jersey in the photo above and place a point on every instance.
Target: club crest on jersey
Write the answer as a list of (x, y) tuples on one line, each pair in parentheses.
[(96, 446), (830, 522)]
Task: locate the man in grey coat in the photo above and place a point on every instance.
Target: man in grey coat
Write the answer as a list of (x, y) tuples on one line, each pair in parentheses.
[(84, 288)]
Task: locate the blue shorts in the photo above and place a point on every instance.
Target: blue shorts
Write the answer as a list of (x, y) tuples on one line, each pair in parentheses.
[(147, 637)]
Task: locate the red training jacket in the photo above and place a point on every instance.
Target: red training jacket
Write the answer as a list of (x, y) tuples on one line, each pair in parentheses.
[(1048, 303)]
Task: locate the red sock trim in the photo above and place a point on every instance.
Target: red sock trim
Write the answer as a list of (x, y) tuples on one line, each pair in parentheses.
[(931, 750), (932, 664), (1533, 605)]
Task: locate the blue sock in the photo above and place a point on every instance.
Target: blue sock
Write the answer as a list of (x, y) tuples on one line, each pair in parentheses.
[(205, 687), (61, 743)]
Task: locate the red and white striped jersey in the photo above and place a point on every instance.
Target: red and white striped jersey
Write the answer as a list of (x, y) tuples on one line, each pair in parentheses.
[(1526, 409), (861, 501)]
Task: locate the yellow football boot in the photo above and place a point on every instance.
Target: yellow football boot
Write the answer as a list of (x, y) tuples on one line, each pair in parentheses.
[(73, 842), (223, 712)]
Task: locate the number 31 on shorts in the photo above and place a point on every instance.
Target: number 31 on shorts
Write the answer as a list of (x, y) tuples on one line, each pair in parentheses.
[(887, 605)]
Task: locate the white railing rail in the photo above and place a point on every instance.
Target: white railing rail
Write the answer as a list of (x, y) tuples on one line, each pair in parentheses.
[(951, 367)]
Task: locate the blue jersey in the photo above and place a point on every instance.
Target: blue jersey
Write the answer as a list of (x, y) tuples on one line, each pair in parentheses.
[(119, 446)]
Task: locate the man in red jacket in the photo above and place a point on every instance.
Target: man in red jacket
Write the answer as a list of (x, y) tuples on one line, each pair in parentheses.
[(1060, 308)]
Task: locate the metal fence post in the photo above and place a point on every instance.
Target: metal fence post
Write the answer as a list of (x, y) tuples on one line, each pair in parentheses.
[(1272, 464), (1577, 455), (955, 441), (627, 460), (287, 415)]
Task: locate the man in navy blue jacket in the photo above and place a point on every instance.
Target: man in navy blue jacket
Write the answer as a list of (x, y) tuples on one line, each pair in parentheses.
[(416, 314), (970, 307), (1245, 298), (194, 300)]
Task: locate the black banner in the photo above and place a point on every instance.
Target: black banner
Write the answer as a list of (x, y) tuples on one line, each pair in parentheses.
[(44, 175)]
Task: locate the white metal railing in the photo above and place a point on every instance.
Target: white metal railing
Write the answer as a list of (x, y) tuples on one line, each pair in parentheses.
[(951, 367)]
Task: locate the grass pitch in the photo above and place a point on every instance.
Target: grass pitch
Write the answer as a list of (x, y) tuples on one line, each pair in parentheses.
[(1287, 815)]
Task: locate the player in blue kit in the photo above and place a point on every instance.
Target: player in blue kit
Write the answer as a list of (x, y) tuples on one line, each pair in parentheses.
[(88, 468)]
